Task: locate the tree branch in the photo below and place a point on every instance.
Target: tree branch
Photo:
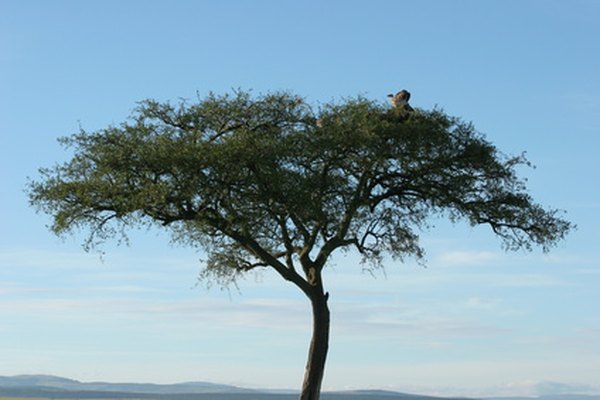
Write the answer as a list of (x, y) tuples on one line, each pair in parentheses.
[(262, 254)]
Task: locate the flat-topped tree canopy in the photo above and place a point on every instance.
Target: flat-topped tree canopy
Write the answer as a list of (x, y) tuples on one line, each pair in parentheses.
[(268, 181), (240, 174)]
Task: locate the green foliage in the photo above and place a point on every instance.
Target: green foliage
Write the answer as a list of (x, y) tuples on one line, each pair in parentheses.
[(270, 182)]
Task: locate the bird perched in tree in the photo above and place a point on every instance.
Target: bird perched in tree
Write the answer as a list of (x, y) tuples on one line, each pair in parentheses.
[(400, 100)]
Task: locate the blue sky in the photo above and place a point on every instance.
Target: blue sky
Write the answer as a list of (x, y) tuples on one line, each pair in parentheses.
[(476, 321)]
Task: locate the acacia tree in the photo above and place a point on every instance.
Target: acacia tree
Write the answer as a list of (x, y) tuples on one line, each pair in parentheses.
[(267, 182)]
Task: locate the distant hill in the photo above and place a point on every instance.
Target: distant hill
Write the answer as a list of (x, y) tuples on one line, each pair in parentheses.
[(552, 397), (53, 387), (49, 382), (35, 380)]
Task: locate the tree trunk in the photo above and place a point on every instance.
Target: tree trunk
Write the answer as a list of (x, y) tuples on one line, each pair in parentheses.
[(317, 354)]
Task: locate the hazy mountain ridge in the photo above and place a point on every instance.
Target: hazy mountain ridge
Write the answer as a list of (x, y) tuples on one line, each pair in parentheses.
[(53, 387), (66, 384), (566, 396)]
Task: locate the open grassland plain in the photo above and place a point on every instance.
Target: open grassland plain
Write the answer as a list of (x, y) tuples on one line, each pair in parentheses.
[(194, 396), (223, 397), (22, 398), (215, 396)]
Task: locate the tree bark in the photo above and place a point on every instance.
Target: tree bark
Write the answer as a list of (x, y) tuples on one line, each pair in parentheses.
[(319, 345)]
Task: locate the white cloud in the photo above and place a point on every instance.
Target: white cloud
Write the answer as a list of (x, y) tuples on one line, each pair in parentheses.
[(527, 280), (127, 289), (218, 312), (479, 303), (355, 319), (34, 258), (466, 258), (16, 290)]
